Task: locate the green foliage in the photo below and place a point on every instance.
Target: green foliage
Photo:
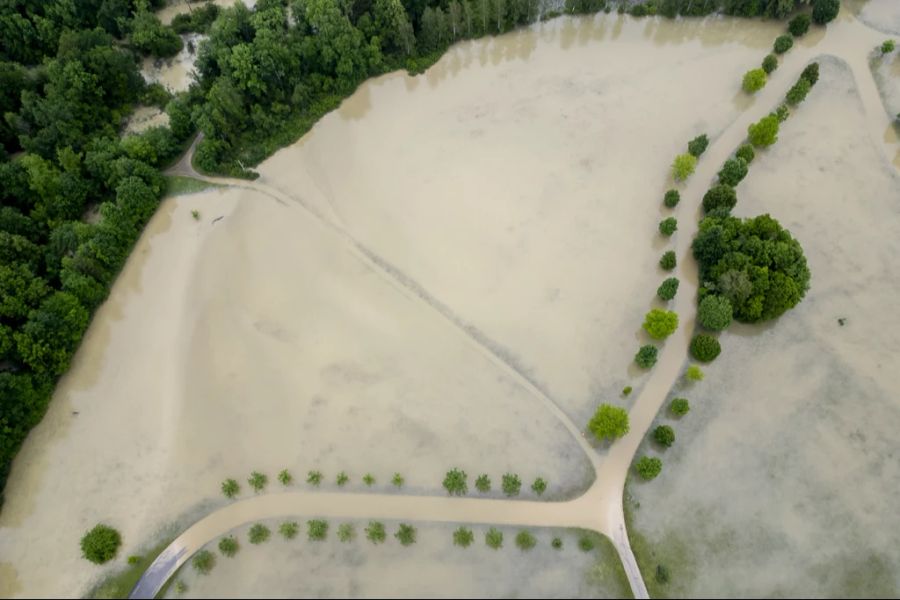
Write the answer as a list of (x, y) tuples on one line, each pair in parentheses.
[(660, 324), (705, 348), (783, 43), (539, 486), (646, 356), (672, 198), (100, 544), (511, 484), (375, 532), (258, 481), (406, 534), (697, 146), (825, 10), (346, 532), (195, 214), (626, 391), (662, 574), (180, 587), (149, 36), (134, 559), (289, 529), (769, 63), (397, 480), (455, 482), (782, 113), (668, 289), (314, 478), (668, 260), (198, 20), (811, 73), (525, 541), (494, 538), (586, 543), (694, 373), (888, 46), (664, 435), (733, 171), (463, 537), (683, 166), (316, 530), (342, 479), (764, 132), (369, 479), (229, 546), (754, 80), (746, 153), (679, 407), (203, 562), (609, 422), (556, 543), (258, 533), (799, 25), (798, 92), (719, 198), (285, 477), (668, 226), (648, 467)]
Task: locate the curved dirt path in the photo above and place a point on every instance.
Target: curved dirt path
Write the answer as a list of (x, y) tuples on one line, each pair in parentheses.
[(600, 507)]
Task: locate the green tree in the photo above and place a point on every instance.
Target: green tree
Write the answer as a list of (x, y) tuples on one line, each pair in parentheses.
[(47, 340), (825, 10), (697, 146), (648, 467), (406, 534), (494, 538), (100, 544), (671, 198), (229, 546), (764, 132), (668, 226), (539, 486), (511, 484), (694, 373), (289, 529), (798, 92), (705, 348), (314, 478), (720, 197), (811, 73), (770, 63), (754, 80), (746, 153), (342, 479), (660, 324), (316, 530), (683, 166), (799, 25), (733, 171), (714, 312), (668, 260), (664, 435), (375, 532), (369, 479), (149, 36), (203, 562), (463, 537), (556, 543), (392, 22), (257, 481), (258, 533), (230, 488), (483, 483), (888, 46), (783, 43), (646, 356), (398, 480), (609, 422), (285, 477), (626, 391), (346, 532), (668, 289), (455, 482), (586, 543), (679, 407), (525, 541)]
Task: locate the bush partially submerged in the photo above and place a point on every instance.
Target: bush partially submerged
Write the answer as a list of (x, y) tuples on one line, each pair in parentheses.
[(683, 166), (525, 541), (668, 226), (733, 171), (494, 538), (680, 407), (455, 482), (609, 422), (770, 63), (754, 80), (672, 198), (229, 546), (799, 25), (648, 467), (230, 488), (668, 261), (316, 530), (660, 324), (811, 73), (783, 43), (289, 529), (746, 153), (100, 544), (406, 534), (668, 289), (664, 435), (719, 197), (764, 132), (511, 484), (463, 537), (257, 481), (646, 356), (539, 486), (483, 483), (203, 562), (698, 145), (375, 532), (705, 348), (798, 92), (258, 534)]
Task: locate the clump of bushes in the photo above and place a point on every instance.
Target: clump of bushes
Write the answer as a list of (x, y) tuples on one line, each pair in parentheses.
[(694, 373), (664, 436), (316, 530), (698, 145), (203, 562), (229, 546), (483, 483), (811, 73), (398, 480), (646, 356), (539, 486), (258, 534), (525, 541), (764, 132), (314, 478), (680, 407), (799, 25), (798, 92), (406, 534), (100, 544), (257, 481), (455, 482), (683, 166), (746, 153), (705, 348), (782, 113), (721, 197), (511, 484), (648, 467), (284, 476), (672, 198), (769, 63), (668, 288), (494, 538), (660, 324), (463, 537), (668, 226), (754, 80), (888, 46), (825, 11), (783, 43), (668, 260), (609, 422), (369, 479), (289, 529), (733, 171), (230, 488), (375, 532), (342, 479)]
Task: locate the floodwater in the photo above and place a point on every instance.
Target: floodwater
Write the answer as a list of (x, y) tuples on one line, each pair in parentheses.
[(176, 73), (517, 185), (145, 117)]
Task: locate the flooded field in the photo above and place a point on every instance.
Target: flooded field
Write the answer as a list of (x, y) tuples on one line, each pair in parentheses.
[(784, 474)]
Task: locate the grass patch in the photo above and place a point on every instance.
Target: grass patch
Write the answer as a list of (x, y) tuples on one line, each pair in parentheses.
[(177, 185), (120, 583), (606, 572)]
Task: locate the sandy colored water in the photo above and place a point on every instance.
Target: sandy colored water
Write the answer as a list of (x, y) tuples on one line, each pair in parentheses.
[(176, 73), (145, 117), (883, 15)]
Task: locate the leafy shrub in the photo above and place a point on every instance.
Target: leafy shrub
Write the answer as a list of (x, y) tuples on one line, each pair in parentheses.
[(811, 73), (284, 476), (586, 543), (694, 373), (825, 10), (609, 422), (672, 198), (733, 171), (705, 348), (746, 153), (798, 92), (369, 479), (679, 407), (660, 324), (180, 587), (342, 479), (230, 488), (525, 541), (698, 145), (662, 574), (783, 43), (150, 36), (648, 467), (316, 530), (668, 261), (626, 391), (258, 533), (557, 543), (229, 546), (289, 529), (375, 532), (314, 478), (668, 288), (203, 562), (683, 166), (754, 80), (799, 25), (511, 484), (888, 46), (483, 483), (494, 538), (664, 435), (646, 356), (455, 482), (764, 132), (668, 226), (769, 63), (406, 534), (539, 486), (257, 481), (134, 559), (100, 544), (463, 537), (782, 113), (346, 532)]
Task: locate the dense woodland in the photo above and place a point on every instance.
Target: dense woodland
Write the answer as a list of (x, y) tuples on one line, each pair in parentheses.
[(75, 194)]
